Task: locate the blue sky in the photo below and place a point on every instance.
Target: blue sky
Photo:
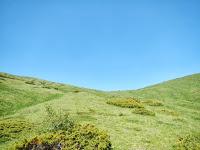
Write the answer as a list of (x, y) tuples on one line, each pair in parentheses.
[(107, 44)]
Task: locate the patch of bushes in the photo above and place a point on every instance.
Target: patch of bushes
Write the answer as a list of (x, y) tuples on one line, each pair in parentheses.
[(43, 82), (5, 75), (153, 103), (129, 103), (143, 111), (11, 128), (32, 82), (189, 142), (81, 137), (76, 91), (48, 86), (63, 133)]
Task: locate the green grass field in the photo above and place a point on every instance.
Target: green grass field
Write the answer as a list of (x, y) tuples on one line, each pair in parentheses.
[(169, 112)]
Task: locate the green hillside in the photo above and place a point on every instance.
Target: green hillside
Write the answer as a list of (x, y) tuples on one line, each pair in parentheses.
[(163, 116)]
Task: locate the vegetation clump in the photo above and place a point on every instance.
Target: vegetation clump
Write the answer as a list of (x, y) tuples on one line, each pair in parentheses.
[(5, 75), (153, 103), (11, 128), (65, 134), (32, 82), (143, 111), (81, 137), (57, 121), (50, 86), (189, 142), (76, 91), (129, 103), (121, 114)]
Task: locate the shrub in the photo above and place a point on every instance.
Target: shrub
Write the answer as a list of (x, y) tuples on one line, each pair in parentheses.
[(121, 114), (129, 103), (76, 91), (58, 121), (153, 103), (63, 133), (143, 111), (10, 129), (82, 137), (32, 82), (189, 142)]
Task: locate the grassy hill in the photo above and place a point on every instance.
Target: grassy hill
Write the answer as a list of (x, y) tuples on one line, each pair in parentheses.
[(155, 117)]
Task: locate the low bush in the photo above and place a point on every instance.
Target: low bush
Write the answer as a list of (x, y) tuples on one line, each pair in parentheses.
[(58, 121), (76, 91), (32, 82), (10, 129), (153, 103), (63, 133), (129, 103), (189, 142), (81, 137), (143, 111)]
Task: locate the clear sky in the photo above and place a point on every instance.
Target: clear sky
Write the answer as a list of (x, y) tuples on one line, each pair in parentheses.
[(102, 44)]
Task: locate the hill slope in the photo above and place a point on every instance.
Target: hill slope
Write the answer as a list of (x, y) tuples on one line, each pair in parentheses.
[(182, 92), (177, 114)]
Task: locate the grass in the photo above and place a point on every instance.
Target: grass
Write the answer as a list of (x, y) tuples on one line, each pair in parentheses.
[(127, 130), (169, 112), (152, 102), (15, 98), (143, 111)]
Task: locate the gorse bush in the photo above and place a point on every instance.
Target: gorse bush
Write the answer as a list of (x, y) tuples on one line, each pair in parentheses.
[(143, 111), (189, 142), (129, 103), (80, 137), (11, 128), (63, 133)]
